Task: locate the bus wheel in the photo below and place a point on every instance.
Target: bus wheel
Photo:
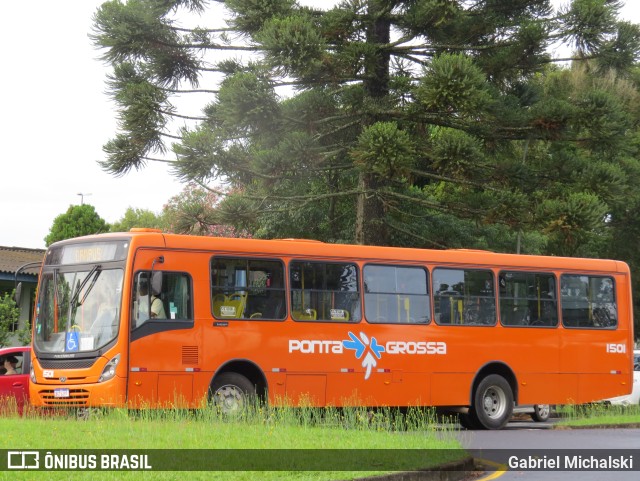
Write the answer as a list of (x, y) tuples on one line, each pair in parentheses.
[(468, 421), (541, 413), (84, 414), (493, 402), (231, 393)]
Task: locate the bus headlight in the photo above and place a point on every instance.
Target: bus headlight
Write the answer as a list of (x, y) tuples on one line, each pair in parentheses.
[(109, 370), (32, 375)]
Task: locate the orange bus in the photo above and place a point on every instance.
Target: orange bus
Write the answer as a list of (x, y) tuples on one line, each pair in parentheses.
[(146, 319)]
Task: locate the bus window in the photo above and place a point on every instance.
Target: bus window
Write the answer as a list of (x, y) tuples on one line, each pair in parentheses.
[(324, 292), (172, 300), (81, 309), (247, 289), (396, 294), (588, 301), (528, 299), (464, 296)]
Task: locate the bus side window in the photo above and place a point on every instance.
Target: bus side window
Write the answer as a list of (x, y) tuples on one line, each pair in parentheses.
[(324, 291), (177, 295), (528, 299), (396, 294), (588, 302), (245, 288), (464, 296), (171, 302)]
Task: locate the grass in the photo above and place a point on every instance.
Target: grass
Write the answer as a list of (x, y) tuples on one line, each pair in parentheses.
[(284, 429), (384, 432), (598, 414)]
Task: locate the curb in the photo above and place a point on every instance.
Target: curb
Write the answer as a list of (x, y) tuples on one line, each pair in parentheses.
[(597, 426)]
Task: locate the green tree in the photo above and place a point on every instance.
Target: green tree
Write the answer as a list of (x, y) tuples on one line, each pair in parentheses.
[(78, 220), (24, 334), (195, 211), (9, 315), (134, 217), (410, 118)]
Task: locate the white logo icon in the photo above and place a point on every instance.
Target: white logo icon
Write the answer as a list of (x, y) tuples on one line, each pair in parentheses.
[(23, 460)]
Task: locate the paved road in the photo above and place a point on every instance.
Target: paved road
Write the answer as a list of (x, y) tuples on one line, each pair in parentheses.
[(522, 436)]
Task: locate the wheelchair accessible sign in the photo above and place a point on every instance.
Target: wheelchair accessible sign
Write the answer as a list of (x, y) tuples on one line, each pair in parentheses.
[(72, 341)]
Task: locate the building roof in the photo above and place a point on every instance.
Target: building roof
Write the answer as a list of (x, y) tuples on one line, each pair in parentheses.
[(11, 258)]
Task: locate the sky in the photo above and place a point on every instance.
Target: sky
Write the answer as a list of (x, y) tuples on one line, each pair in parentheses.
[(56, 115), (55, 119)]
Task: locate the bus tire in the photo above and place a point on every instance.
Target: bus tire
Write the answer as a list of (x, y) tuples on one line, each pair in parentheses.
[(468, 421), (231, 393), (541, 413), (492, 402)]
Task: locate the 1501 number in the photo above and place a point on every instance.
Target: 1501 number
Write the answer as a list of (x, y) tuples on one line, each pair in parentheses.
[(616, 348)]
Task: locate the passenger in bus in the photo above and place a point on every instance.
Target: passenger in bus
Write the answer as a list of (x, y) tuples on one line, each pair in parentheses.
[(448, 309), (271, 305)]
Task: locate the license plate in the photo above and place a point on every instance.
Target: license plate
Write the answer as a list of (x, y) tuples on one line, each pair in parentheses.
[(58, 393)]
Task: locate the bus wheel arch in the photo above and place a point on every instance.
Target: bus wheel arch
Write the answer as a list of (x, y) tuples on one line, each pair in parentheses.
[(493, 395), (236, 385)]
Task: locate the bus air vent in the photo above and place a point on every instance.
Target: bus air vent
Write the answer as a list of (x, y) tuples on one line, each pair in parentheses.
[(77, 397), (66, 363), (190, 355)]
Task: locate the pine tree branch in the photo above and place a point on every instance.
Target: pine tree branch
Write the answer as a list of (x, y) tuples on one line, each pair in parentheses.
[(191, 91), (164, 161), (413, 59), (293, 176), (432, 49), (568, 59), (293, 198), (203, 30), (170, 136), (414, 235), (210, 46), (429, 175), (338, 129), (433, 205), (186, 117)]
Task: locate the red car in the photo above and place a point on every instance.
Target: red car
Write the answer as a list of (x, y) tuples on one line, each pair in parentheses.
[(15, 363)]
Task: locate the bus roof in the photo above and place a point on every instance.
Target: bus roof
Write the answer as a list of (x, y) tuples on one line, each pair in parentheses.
[(320, 250)]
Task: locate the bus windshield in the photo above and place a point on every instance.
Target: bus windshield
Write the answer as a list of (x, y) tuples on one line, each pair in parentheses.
[(78, 310)]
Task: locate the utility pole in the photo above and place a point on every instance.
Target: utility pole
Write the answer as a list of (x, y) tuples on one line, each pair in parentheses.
[(82, 197)]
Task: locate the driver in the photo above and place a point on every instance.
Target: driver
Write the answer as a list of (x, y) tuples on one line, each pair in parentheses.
[(157, 307)]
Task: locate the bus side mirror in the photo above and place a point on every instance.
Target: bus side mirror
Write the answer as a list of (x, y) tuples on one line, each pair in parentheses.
[(17, 294), (156, 282)]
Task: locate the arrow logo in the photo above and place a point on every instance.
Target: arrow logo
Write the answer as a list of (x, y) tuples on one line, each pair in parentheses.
[(360, 345)]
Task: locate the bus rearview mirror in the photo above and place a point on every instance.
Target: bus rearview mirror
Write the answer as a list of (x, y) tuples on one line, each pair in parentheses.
[(17, 294), (156, 282)]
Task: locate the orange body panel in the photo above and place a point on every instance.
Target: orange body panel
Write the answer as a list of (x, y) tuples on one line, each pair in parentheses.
[(307, 362)]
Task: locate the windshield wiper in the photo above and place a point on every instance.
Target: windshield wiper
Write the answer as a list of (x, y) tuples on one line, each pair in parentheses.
[(74, 300), (98, 271)]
